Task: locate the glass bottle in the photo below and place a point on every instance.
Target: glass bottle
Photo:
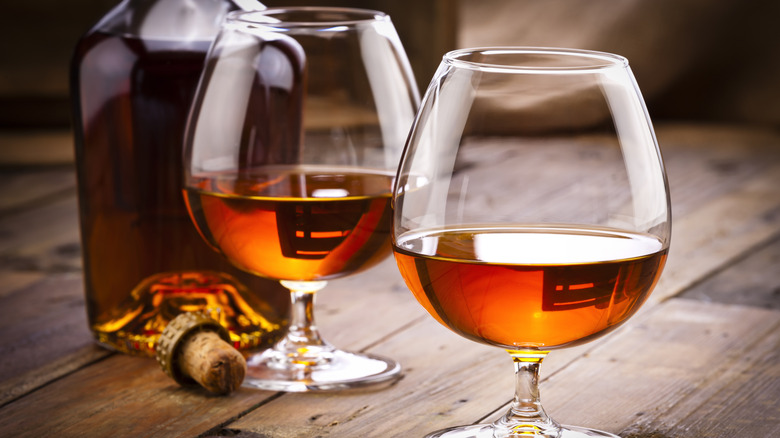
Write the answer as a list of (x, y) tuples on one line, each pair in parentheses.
[(133, 76)]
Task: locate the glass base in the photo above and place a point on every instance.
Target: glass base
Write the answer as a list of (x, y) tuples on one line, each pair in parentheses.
[(342, 370), (490, 431)]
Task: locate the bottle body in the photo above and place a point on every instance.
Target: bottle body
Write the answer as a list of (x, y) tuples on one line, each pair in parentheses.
[(144, 261)]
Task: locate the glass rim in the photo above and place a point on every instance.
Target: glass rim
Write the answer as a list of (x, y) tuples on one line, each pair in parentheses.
[(598, 60), (265, 17)]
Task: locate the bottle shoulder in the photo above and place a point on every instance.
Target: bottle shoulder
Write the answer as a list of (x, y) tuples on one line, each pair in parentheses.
[(190, 20)]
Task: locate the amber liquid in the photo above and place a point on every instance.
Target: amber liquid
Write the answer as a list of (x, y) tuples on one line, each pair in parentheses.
[(144, 261), (530, 287), (296, 224)]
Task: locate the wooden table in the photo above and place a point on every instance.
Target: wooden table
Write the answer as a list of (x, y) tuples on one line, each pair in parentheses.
[(701, 359)]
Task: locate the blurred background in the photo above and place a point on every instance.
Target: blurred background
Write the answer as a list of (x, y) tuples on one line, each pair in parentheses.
[(695, 60)]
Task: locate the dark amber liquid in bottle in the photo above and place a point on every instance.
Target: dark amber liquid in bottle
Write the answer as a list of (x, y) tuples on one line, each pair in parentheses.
[(144, 261)]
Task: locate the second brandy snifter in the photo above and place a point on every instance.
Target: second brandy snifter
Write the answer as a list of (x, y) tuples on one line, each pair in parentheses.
[(531, 210), (293, 141)]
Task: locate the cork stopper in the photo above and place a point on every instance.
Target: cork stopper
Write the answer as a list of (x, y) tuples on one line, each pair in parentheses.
[(195, 349)]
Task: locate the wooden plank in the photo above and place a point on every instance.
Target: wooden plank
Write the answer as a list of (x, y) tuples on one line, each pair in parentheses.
[(25, 188), (13, 280), (365, 409), (42, 373), (753, 280), (725, 190), (690, 369), (741, 401), (718, 232), (611, 387), (42, 323), (43, 329), (45, 238), (444, 376), (123, 395), (705, 161)]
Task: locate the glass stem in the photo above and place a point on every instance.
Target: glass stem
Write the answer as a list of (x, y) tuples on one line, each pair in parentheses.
[(526, 416), (303, 344)]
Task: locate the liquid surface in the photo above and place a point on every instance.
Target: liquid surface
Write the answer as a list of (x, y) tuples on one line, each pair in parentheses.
[(295, 224), (530, 287)]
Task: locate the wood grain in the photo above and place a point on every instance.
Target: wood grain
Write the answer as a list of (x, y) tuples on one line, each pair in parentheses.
[(122, 395), (699, 360), (745, 281), (681, 359), (42, 239), (718, 232), (23, 188), (41, 324)]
